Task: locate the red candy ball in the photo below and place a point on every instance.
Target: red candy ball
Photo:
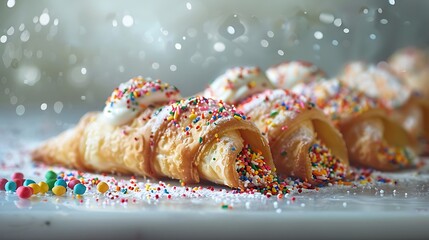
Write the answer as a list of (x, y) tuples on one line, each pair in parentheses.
[(18, 181), (17, 175), (3, 182), (72, 183), (24, 192)]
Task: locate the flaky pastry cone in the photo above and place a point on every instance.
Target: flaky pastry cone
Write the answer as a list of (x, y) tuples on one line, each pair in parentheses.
[(407, 107), (373, 138), (191, 140), (302, 140)]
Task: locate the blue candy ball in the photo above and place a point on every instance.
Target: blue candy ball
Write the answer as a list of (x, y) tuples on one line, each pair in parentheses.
[(60, 182), (79, 189), (28, 182), (10, 186)]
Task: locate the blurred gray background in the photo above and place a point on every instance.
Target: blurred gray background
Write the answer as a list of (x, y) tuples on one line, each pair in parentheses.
[(59, 57)]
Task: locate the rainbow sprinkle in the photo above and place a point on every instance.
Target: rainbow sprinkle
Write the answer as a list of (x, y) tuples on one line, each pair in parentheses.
[(233, 75), (277, 102), (338, 101), (202, 111), (255, 174), (325, 166), (346, 104), (138, 88), (398, 156)]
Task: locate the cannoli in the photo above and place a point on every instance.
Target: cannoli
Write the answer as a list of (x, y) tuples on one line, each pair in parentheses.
[(379, 81), (140, 132), (373, 138)]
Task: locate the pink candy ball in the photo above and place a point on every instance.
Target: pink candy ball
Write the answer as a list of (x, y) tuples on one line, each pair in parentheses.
[(24, 192), (3, 182), (72, 183), (17, 175)]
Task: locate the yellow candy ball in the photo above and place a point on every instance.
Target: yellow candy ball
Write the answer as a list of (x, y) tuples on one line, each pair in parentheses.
[(44, 187), (59, 190), (35, 187), (102, 187)]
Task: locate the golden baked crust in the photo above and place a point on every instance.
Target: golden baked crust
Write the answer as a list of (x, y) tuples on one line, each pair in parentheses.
[(171, 141)]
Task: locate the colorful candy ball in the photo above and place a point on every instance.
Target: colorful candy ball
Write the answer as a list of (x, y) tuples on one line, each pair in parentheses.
[(35, 187), (60, 182), (51, 183), (44, 187), (3, 182), (17, 175), (72, 183), (10, 186), (28, 182), (102, 187), (79, 189), (24, 192), (19, 182), (59, 190), (50, 175)]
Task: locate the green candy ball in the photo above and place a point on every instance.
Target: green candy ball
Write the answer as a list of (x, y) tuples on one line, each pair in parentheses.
[(51, 183), (50, 175)]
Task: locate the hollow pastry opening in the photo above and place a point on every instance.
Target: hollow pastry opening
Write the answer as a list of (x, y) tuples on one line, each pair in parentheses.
[(252, 169), (327, 156), (399, 157), (230, 160), (313, 152), (394, 147), (381, 144), (325, 166)]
